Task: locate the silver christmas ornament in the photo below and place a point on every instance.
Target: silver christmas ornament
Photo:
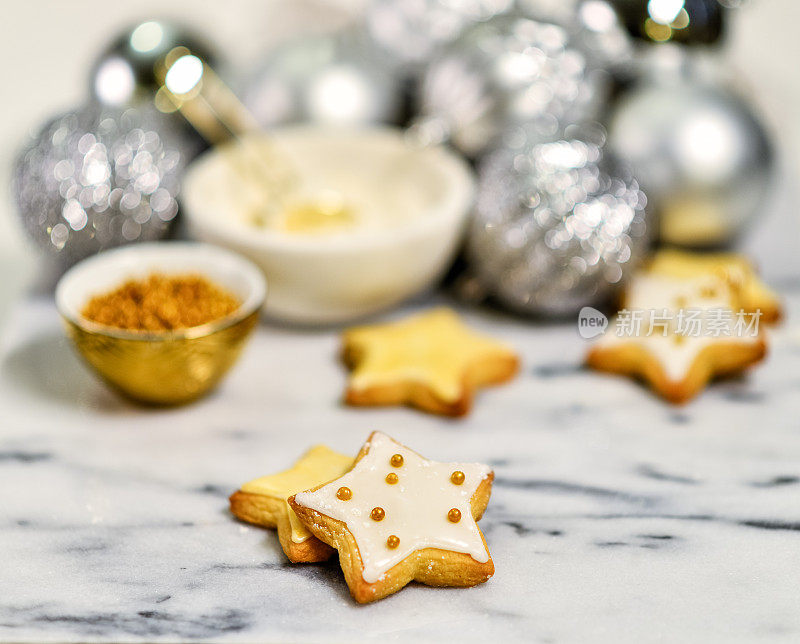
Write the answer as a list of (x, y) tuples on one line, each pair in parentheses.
[(413, 30), (505, 72), (594, 27), (126, 72), (558, 224), (701, 154), (690, 22), (340, 78), (93, 179)]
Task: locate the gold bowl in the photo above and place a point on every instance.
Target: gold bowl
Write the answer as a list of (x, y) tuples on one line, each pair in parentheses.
[(168, 368)]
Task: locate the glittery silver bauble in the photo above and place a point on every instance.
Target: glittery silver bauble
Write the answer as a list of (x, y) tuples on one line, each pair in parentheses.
[(506, 71), (702, 156), (125, 73), (594, 27), (558, 224), (95, 179), (412, 30), (340, 78)]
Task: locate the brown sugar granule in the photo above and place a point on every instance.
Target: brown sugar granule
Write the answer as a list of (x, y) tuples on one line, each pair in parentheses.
[(161, 303)]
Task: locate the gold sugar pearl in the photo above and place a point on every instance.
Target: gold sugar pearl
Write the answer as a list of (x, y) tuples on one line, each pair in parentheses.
[(454, 516), (392, 478), (393, 541), (377, 514), (457, 477), (344, 494), (396, 460)]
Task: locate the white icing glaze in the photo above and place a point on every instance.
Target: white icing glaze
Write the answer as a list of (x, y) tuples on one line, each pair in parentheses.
[(416, 506), (656, 293)]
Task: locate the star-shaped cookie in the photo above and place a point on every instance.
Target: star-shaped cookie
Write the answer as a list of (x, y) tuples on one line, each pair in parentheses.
[(748, 290), (398, 517), (678, 359), (263, 501), (431, 361)]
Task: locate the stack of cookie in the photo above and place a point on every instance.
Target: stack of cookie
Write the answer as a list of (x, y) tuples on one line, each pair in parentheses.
[(392, 515)]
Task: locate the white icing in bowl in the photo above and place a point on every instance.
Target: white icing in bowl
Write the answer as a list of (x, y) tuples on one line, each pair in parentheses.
[(412, 205)]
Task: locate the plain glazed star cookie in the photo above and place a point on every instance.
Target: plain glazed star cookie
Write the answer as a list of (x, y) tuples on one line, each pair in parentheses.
[(397, 517), (431, 361), (263, 501), (714, 293)]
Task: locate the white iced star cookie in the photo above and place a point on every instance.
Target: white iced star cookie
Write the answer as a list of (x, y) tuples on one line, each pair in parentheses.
[(747, 289), (687, 334), (397, 517)]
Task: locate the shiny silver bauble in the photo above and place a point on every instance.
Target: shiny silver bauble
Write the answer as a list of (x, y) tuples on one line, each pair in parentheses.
[(126, 72), (689, 22), (558, 225), (504, 72), (701, 154), (341, 78), (97, 178)]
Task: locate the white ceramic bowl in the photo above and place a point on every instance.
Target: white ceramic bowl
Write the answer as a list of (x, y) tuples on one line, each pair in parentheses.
[(335, 277)]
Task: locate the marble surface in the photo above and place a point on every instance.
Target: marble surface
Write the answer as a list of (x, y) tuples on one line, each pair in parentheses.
[(614, 517)]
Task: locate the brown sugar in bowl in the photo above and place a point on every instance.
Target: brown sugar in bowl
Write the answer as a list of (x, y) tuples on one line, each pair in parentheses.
[(164, 366)]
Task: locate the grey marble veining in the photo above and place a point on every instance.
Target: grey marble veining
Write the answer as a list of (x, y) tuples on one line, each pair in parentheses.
[(614, 517)]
